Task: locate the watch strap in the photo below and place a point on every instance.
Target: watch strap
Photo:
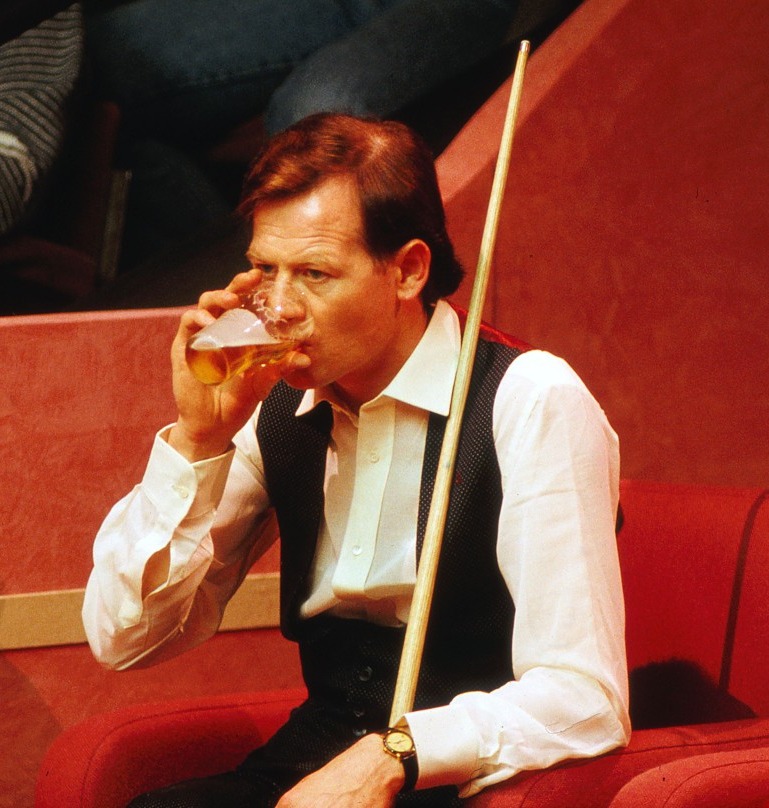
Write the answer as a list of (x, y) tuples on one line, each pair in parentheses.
[(411, 772)]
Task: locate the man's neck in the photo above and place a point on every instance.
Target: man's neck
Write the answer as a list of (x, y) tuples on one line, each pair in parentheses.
[(354, 397)]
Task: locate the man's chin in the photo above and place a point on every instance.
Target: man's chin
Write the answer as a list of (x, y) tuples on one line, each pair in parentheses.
[(300, 379)]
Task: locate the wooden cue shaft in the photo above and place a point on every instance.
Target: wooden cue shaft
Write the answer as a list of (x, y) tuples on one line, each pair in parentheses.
[(413, 644)]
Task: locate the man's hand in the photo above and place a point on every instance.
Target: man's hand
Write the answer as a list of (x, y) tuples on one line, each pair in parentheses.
[(363, 776), (210, 415)]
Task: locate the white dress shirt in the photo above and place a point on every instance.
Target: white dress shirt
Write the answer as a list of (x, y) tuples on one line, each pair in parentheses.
[(559, 460)]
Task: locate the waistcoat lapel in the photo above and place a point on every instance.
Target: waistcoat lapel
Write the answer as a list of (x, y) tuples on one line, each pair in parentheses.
[(295, 464)]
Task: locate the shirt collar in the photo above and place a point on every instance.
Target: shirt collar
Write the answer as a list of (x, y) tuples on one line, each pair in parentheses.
[(426, 378)]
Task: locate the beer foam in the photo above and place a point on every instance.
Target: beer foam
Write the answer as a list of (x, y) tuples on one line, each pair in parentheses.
[(237, 328)]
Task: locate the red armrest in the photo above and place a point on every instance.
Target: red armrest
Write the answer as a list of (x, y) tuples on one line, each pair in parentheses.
[(703, 781), (595, 783), (108, 759)]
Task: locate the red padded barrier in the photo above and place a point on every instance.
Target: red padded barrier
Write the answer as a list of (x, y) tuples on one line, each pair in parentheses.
[(634, 234), (76, 434)]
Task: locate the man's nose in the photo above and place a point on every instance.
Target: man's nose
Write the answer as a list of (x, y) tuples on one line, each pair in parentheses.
[(285, 298)]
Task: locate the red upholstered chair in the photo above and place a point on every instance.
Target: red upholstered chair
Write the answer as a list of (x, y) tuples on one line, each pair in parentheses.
[(692, 560), (107, 760)]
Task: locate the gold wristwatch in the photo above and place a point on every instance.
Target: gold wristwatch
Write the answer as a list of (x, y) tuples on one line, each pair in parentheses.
[(399, 744)]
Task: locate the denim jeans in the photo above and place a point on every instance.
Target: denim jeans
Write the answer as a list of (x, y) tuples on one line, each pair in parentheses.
[(187, 71)]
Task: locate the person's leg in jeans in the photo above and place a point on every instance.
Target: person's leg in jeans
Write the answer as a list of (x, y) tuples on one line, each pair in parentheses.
[(187, 71), (184, 74), (393, 59)]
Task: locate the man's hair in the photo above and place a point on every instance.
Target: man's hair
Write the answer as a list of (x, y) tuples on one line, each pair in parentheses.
[(395, 174)]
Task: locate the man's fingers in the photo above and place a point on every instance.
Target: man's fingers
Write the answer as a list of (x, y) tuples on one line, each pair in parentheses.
[(245, 281), (218, 301), (193, 320)]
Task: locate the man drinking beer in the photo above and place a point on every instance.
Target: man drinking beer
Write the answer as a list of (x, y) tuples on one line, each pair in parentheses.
[(524, 662)]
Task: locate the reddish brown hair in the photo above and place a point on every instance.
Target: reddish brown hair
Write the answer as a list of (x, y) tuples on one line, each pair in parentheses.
[(395, 174)]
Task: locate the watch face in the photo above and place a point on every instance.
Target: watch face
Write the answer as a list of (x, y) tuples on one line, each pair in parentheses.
[(399, 741)]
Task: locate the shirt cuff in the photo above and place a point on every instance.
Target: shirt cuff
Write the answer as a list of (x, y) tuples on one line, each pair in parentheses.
[(447, 746), (194, 487)]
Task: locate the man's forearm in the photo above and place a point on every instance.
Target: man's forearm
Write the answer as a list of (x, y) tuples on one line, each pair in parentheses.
[(151, 555)]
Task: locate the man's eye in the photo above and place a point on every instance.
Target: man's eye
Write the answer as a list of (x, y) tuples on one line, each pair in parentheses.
[(315, 274)]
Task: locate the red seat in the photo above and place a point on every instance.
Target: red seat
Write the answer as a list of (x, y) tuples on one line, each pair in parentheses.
[(687, 553), (107, 760)]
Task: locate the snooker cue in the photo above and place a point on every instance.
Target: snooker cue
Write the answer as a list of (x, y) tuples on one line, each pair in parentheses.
[(416, 629)]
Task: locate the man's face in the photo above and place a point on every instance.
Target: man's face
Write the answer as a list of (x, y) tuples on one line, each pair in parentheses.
[(315, 241)]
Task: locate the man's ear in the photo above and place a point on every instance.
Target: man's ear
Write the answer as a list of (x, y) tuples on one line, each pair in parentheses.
[(413, 262)]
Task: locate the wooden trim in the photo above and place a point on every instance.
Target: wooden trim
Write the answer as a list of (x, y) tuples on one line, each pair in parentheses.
[(34, 619), (256, 604), (39, 619)]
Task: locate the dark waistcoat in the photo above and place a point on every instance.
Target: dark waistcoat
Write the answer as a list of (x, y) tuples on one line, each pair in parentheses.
[(353, 664)]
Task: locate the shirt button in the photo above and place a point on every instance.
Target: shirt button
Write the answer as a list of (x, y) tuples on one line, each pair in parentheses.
[(359, 732), (357, 550), (373, 456), (182, 491), (365, 674)]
